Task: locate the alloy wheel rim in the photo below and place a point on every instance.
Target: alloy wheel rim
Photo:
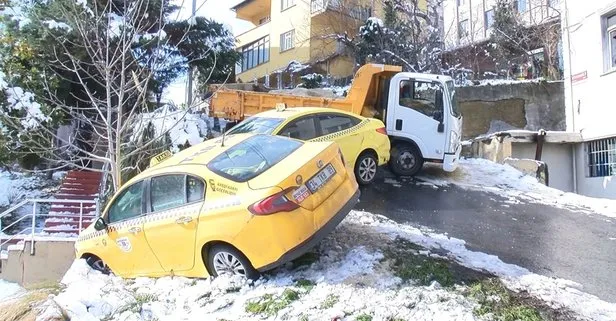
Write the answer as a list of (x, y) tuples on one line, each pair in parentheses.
[(367, 169), (226, 263)]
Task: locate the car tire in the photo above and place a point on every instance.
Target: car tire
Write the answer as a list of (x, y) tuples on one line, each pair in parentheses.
[(406, 160), (97, 264), (366, 168), (225, 259)]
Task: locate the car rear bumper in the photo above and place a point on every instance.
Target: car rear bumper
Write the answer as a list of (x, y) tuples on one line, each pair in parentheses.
[(317, 237)]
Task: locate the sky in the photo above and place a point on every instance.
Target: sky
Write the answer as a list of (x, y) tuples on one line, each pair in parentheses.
[(218, 10)]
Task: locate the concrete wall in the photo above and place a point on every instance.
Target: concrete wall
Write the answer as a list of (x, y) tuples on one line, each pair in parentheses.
[(558, 157), (49, 263), (531, 106), (602, 187)]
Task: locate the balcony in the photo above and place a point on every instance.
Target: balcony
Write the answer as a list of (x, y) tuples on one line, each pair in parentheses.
[(253, 10), (253, 34)]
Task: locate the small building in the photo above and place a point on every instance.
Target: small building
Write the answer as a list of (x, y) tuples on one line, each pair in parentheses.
[(589, 36)]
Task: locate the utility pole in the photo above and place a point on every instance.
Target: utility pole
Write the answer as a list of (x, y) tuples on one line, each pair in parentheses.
[(189, 99)]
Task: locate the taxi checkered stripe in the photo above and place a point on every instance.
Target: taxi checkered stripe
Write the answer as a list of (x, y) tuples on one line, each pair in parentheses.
[(148, 218), (341, 133)]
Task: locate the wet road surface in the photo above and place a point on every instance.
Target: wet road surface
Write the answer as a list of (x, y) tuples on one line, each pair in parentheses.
[(545, 240)]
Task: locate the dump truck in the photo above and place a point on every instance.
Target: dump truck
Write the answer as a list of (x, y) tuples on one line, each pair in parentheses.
[(420, 112)]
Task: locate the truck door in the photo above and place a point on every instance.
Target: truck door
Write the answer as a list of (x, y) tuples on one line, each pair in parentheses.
[(418, 115)]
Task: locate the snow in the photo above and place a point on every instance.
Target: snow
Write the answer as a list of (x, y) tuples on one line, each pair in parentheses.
[(498, 82), (52, 24), (508, 182), (18, 186), (9, 290), (350, 267), (18, 99), (181, 125), (377, 21)]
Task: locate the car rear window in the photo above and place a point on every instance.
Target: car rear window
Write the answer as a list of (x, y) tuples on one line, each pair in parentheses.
[(252, 157), (256, 125)]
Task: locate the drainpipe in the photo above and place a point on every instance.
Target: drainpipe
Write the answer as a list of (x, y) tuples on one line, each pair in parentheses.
[(573, 153), (540, 138)]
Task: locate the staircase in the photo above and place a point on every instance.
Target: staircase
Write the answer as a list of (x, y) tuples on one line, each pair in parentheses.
[(64, 218)]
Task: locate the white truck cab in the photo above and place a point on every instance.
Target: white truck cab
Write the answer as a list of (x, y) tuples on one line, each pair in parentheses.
[(423, 122)]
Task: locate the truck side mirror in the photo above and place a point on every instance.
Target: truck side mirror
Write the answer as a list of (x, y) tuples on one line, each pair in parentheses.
[(100, 224)]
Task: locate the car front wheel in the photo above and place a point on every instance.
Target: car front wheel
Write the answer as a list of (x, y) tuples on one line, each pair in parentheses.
[(97, 264), (226, 260)]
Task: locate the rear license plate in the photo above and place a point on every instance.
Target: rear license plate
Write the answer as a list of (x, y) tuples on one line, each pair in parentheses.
[(321, 178), (301, 194)]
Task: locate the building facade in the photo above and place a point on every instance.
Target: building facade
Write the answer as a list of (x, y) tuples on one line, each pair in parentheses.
[(589, 36)]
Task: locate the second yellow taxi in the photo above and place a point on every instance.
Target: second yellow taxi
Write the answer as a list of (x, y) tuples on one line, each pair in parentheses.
[(363, 141), (240, 205)]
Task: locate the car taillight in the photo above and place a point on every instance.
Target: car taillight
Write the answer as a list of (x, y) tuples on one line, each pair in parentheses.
[(381, 130), (341, 157), (273, 204)]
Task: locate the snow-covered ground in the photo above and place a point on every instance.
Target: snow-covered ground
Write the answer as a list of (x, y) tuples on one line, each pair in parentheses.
[(351, 277), (508, 182), (9, 290)]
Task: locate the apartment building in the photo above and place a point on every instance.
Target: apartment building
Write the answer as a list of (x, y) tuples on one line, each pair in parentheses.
[(298, 30), (589, 36)]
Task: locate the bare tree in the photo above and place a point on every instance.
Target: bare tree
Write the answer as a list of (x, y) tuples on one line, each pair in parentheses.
[(113, 81)]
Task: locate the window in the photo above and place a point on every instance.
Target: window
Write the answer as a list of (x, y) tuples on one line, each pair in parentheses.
[(286, 4), (611, 42), (335, 123), (195, 189), (489, 19), (420, 96), (128, 205), (455, 110), (601, 157), (252, 157), (257, 125), (463, 29), (255, 54), (287, 40), (167, 192), (303, 129), (521, 5)]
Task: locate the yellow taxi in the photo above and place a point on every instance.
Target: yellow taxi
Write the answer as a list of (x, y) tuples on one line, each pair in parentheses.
[(240, 205), (363, 141)]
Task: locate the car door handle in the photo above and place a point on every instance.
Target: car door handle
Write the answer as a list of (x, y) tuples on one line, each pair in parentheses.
[(134, 230), (184, 220)]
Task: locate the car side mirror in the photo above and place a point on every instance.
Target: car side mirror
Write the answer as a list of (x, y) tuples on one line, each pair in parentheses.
[(100, 224)]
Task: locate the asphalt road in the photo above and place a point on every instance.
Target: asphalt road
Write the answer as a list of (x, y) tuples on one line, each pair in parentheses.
[(545, 240)]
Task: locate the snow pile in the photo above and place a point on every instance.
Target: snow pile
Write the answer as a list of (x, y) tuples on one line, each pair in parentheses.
[(181, 125), (9, 290), (506, 181), (18, 186)]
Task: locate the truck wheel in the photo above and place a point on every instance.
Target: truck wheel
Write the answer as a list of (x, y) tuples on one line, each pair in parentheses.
[(224, 259), (365, 168), (406, 160)]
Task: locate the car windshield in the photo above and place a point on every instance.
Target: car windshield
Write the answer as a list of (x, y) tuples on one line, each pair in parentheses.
[(252, 157), (454, 100), (256, 125)]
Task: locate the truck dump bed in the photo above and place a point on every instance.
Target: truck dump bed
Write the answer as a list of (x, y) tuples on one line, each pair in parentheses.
[(364, 97)]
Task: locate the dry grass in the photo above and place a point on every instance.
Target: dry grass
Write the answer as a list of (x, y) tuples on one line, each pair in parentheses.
[(24, 308)]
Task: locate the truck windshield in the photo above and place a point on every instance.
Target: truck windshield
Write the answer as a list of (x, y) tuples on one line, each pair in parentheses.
[(256, 125), (454, 100)]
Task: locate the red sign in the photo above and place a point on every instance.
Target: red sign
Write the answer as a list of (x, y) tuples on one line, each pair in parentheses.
[(579, 77)]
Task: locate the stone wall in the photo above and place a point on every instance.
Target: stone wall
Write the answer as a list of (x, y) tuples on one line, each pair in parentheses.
[(493, 108)]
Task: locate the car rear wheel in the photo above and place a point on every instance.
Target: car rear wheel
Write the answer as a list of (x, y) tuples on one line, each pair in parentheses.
[(406, 160), (97, 264), (226, 260), (365, 168)]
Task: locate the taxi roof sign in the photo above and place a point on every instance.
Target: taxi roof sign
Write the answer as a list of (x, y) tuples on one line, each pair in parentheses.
[(160, 158), (281, 106)]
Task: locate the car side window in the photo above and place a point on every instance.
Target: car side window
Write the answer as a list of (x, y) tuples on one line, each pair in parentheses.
[(302, 129), (195, 189), (167, 192), (128, 205), (334, 123), (419, 96)]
